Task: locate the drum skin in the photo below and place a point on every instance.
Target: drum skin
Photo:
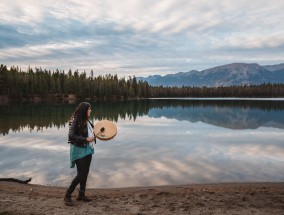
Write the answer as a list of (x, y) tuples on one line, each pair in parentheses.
[(105, 130)]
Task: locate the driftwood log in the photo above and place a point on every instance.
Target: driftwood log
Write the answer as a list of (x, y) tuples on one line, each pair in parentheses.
[(16, 180)]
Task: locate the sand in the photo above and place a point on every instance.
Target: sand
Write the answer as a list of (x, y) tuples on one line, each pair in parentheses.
[(223, 198)]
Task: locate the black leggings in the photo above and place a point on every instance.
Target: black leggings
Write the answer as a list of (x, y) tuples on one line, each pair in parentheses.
[(83, 166)]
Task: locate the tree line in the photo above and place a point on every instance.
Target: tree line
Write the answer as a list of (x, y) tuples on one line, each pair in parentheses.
[(47, 84), (265, 90), (18, 84)]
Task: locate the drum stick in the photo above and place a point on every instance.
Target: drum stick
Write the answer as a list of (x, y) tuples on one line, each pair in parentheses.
[(101, 130)]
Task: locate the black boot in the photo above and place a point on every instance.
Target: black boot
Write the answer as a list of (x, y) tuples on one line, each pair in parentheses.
[(83, 197), (67, 199)]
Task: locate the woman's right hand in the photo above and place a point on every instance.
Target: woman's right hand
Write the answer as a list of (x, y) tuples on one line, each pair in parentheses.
[(90, 139)]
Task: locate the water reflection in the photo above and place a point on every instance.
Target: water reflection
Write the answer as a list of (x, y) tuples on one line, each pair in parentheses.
[(233, 114), (158, 143)]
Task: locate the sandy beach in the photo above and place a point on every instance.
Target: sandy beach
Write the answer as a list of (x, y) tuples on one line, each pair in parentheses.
[(223, 198)]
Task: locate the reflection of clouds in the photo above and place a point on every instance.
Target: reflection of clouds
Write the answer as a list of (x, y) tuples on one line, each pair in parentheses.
[(144, 153), (38, 140), (250, 133), (266, 143), (158, 156), (40, 155), (271, 152)]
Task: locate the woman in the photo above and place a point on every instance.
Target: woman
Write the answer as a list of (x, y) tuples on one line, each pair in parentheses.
[(81, 137)]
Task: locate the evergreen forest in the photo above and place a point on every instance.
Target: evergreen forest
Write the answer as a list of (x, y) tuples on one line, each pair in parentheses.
[(16, 84)]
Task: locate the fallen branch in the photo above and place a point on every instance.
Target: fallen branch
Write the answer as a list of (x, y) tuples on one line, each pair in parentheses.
[(16, 180)]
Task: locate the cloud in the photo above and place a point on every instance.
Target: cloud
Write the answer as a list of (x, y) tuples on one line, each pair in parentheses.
[(140, 36), (243, 41)]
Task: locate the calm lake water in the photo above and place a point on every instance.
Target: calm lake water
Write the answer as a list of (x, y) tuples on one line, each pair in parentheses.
[(159, 142)]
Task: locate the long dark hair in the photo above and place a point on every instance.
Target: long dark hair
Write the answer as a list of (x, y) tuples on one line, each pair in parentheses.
[(80, 113)]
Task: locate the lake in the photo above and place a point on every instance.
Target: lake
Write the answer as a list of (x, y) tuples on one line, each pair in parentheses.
[(159, 142)]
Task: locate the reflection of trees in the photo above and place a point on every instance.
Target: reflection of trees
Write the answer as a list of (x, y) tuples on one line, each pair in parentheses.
[(36, 117), (33, 116), (121, 110)]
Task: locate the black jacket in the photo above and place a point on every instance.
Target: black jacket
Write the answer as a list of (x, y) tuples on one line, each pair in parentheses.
[(78, 133)]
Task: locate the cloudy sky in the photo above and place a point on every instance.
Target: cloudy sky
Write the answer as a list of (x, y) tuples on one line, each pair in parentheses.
[(140, 37)]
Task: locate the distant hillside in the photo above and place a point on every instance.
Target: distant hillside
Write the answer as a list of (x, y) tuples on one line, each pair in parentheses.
[(276, 67), (226, 75)]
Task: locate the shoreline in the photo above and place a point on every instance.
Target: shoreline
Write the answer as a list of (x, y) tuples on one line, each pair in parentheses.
[(218, 198)]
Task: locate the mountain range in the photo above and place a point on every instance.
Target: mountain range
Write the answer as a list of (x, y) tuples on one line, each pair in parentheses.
[(234, 74)]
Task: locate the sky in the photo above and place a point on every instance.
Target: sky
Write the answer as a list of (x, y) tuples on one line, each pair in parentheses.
[(140, 37)]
